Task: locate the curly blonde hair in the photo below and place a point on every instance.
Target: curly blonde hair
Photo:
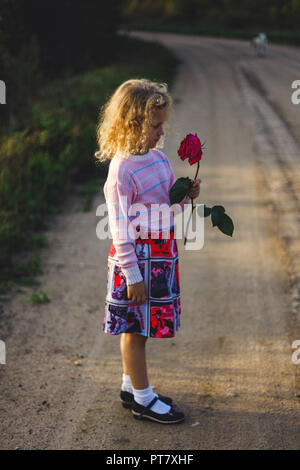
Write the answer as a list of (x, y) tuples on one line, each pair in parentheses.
[(125, 118)]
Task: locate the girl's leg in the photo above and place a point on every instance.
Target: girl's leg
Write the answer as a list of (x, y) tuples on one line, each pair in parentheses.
[(133, 350)]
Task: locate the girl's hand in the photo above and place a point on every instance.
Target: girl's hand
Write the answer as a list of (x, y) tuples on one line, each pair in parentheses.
[(195, 190), (137, 292)]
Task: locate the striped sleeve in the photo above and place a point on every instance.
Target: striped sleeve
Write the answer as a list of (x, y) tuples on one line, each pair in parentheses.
[(120, 192)]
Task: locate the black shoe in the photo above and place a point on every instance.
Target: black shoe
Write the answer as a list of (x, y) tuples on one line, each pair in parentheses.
[(127, 399), (144, 412)]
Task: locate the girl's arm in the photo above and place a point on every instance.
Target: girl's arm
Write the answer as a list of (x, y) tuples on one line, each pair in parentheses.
[(119, 193), (137, 292), (195, 191)]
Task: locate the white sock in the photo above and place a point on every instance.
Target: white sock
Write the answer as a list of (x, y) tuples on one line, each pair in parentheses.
[(144, 397), (126, 384)]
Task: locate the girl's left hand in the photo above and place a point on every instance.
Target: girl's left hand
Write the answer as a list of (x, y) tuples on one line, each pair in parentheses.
[(195, 190)]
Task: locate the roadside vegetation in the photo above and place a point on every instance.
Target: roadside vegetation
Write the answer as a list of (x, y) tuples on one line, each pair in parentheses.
[(236, 19), (47, 150)]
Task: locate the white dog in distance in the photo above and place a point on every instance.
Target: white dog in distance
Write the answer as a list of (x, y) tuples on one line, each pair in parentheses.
[(260, 44)]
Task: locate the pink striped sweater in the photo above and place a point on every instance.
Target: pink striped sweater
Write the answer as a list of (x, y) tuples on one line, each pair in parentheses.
[(140, 179)]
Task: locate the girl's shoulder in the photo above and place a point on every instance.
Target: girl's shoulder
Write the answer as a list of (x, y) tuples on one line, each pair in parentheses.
[(119, 173), (160, 153), (163, 157), (123, 168), (119, 165)]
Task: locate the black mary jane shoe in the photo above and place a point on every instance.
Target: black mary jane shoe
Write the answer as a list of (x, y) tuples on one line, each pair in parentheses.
[(144, 412), (127, 399)]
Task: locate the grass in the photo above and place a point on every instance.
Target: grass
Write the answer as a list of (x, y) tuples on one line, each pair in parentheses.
[(20, 272), (87, 191), (40, 164), (35, 298), (23, 273)]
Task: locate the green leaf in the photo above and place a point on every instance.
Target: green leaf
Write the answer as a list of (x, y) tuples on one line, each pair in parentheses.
[(179, 189), (219, 209), (226, 225), (216, 216), (207, 211)]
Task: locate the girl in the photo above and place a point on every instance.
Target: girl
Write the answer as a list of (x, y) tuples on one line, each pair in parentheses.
[(143, 295)]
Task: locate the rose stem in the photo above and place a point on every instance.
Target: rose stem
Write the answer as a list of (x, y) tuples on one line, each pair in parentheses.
[(198, 166)]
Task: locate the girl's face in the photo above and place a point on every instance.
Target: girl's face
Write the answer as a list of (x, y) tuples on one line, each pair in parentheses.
[(156, 127)]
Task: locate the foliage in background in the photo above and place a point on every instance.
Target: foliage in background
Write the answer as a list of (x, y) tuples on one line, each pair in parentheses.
[(236, 19), (274, 36), (46, 39), (236, 14), (40, 162)]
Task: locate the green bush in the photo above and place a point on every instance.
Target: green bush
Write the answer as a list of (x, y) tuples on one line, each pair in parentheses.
[(39, 164)]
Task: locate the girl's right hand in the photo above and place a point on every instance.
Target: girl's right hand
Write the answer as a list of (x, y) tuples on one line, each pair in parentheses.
[(137, 292)]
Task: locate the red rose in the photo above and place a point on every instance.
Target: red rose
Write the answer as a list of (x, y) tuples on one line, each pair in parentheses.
[(191, 148)]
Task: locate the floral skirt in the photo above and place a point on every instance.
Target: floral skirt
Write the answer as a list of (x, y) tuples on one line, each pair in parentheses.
[(159, 316)]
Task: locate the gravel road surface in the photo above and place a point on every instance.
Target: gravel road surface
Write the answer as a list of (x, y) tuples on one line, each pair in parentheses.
[(230, 367)]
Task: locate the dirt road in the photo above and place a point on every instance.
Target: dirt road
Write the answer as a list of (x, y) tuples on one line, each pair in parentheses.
[(230, 366)]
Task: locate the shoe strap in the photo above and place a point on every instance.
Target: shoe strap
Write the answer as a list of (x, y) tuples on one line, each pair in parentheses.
[(149, 406)]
